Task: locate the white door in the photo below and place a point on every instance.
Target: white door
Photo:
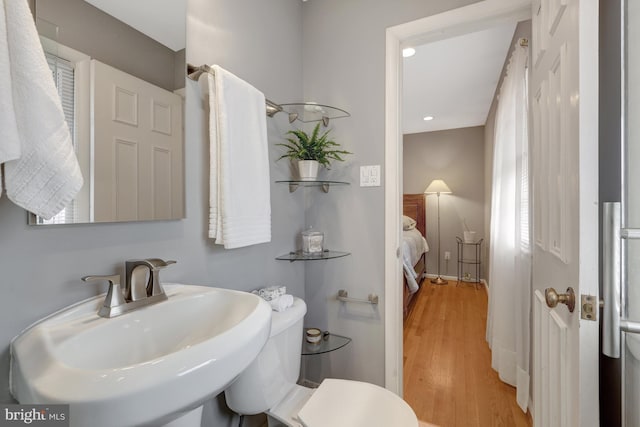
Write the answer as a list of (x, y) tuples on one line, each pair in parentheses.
[(137, 146), (564, 96)]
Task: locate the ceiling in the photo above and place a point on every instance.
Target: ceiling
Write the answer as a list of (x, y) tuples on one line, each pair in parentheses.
[(164, 22), (454, 80)]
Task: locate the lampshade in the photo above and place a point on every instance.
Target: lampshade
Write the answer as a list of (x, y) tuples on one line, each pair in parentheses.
[(437, 186)]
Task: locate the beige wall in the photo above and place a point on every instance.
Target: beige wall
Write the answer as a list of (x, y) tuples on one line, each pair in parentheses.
[(457, 157)]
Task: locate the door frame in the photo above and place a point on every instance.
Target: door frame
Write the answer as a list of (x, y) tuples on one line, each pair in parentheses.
[(445, 25)]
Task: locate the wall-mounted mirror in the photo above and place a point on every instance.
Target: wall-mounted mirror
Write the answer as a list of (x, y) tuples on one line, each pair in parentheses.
[(120, 70)]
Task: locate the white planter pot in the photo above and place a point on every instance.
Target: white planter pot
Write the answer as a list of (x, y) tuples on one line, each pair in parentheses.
[(308, 170)]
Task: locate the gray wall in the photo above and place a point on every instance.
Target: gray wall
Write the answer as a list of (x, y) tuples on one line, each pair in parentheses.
[(41, 266), (457, 157), (344, 65), (88, 29), (267, 54), (523, 29)]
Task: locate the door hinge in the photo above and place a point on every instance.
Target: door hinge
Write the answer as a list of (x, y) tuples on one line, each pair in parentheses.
[(589, 307)]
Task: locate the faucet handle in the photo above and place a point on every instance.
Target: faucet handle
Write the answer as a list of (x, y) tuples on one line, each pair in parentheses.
[(114, 296), (154, 287), (159, 264)]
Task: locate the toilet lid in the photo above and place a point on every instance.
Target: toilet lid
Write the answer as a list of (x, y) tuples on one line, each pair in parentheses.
[(342, 403)]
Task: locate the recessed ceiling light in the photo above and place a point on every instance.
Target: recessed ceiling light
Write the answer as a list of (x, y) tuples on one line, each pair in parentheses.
[(427, 118), (408, 51)]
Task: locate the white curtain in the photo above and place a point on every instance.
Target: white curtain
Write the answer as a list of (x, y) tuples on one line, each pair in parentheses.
[(510, 251)]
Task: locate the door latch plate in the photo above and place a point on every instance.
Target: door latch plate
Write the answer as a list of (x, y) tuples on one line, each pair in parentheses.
[(588, 307)]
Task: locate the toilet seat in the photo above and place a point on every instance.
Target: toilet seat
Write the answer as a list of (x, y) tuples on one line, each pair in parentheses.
[(344, 403)]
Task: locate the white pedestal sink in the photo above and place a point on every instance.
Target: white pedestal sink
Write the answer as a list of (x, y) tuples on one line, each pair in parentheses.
[(147, 367)]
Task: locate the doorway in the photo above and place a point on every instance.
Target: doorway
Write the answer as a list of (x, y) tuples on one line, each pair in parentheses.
[(447, 364), (449, 24), (577, 97)]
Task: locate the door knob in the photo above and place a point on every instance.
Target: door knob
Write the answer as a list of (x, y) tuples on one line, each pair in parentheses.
[(553, 298)]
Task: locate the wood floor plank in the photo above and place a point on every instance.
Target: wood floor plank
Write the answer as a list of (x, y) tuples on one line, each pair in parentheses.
[(448, 380)]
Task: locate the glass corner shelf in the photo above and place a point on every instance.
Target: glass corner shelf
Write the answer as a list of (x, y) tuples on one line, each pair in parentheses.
[(308, 112), (294, 184), (299, 256), (329, 342)]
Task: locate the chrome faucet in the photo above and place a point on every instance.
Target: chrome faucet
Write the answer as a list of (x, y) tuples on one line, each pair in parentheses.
[(142, 287), (136, 277)]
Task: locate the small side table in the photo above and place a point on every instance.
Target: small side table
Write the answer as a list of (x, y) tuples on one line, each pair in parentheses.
[(469, 254)]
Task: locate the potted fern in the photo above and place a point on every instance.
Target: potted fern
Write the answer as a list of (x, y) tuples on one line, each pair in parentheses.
[(311, 151)]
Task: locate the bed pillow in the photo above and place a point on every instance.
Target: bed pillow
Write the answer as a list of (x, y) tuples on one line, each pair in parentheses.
[(408, 223)]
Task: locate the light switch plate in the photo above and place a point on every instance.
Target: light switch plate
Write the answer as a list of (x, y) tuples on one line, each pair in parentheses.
[(370, 176)]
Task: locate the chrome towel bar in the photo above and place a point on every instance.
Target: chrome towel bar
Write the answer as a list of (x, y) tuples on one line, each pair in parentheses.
[(194, 73), (344, 297)]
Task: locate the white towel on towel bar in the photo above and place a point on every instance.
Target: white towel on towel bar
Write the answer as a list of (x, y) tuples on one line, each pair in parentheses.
[(9, 140), (41, 172), (240, 203)]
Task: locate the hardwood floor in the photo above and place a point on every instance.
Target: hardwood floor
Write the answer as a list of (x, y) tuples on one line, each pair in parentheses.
[(448, 380)]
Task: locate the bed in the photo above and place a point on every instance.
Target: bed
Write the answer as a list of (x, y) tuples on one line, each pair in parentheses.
[(414, 248)]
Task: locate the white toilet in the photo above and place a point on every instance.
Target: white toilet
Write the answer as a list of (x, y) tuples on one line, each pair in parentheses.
[(269, 385)]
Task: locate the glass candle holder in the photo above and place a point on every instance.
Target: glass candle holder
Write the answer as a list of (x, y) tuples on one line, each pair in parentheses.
[(312, 242), (313, 335)]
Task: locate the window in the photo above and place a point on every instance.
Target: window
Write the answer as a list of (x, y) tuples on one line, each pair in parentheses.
[(63, 75)]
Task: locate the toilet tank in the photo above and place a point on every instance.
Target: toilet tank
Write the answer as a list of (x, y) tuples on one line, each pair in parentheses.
[(275, 370)]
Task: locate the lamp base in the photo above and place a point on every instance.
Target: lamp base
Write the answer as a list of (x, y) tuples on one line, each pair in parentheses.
[(439, 281)]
